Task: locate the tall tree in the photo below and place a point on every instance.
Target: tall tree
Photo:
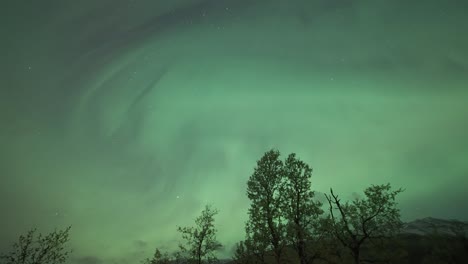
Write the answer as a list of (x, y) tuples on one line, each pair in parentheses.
[(200, 241), (265, 216), (300, 209), (32, 249), (371, 218)]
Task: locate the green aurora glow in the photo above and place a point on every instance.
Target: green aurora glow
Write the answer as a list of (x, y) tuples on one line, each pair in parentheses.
[(123, 118)]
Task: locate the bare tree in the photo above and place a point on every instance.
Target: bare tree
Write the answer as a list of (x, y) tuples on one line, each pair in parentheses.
[(32, 249), (373, 217), (201, 242)]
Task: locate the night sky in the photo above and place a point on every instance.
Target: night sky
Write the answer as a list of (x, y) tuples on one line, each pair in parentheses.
[(123, 118)]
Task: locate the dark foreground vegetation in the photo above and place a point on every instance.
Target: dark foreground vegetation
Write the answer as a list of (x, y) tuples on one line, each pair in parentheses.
[(288, 225)]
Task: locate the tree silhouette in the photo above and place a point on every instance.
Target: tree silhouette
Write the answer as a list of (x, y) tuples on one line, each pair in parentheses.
[(158, 258), (266, 221), (369, 219), (256, 246), (200, 241), (299, 208), (241, 254), (32, 249)]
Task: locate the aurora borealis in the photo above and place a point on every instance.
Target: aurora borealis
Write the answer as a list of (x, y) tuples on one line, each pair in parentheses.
[(123, 118)]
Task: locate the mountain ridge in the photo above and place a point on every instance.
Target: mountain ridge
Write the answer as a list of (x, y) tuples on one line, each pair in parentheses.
[(431, 225)]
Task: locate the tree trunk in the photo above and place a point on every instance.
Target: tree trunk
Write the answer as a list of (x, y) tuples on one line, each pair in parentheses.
[(301, 252), (278, 256), (356, 255), (278, 260)]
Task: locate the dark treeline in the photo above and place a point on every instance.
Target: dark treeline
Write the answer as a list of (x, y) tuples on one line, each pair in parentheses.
[(287, 225)]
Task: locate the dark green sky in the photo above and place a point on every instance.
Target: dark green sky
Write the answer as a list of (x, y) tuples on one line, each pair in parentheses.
[(123, 118)]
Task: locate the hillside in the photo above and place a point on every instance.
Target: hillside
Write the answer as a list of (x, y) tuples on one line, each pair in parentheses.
[(425, 241)]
